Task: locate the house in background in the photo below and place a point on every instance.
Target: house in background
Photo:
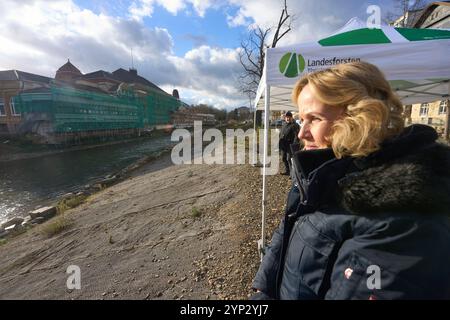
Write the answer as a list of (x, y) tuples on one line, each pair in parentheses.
[(74, 106), (435, 16), (433, 114), (11, 83), (436, 114)]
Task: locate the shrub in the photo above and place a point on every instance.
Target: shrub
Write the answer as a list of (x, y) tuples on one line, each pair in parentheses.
[(70, 203), (196, 213), (55, 226)]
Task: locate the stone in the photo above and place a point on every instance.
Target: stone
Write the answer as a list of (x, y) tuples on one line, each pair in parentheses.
[(68, 195), (98, 186), (46, 213), (38, 220), (26, 221), (10, 228), (3, 234), (13, 221), (14, 228), (108, 180)]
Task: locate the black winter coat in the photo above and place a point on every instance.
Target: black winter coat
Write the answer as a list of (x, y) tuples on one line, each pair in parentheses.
[(288, 135), (346, 218)]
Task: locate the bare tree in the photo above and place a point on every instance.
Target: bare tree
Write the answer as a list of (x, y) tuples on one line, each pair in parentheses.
[(253, 49), (408, 11)]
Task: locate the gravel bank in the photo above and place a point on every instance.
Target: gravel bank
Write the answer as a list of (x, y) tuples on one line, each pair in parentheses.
[(167, 232)]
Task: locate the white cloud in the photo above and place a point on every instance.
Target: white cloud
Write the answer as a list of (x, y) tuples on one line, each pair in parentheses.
[(200, 6), (313, 19), (238, 20), (192, 96), (140, 9), (210, 75), (53, 31), (173, 6), (332, 20)]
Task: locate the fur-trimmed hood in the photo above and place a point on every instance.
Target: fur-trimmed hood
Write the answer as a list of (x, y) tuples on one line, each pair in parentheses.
[(409, 174)]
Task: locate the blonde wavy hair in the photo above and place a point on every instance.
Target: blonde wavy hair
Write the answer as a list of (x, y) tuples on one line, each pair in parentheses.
[(373, 112)]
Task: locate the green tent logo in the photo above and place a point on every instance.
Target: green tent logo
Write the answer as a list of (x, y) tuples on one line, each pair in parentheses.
[(292, 64)]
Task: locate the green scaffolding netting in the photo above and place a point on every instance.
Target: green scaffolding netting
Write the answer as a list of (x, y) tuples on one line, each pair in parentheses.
[(72, 110)]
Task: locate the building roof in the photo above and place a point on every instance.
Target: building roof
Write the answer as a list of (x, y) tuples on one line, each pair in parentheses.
[(8, 75), (428, 10), (25, 76), (37, 90), (81, 87), (120, 75), (408, 19), (131, 76), (16, 75), (100, 74), (69, 68)]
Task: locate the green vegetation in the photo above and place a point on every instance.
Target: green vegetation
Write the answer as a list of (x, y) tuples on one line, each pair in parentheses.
[(3, 241), (220, 115), (55, 226), (196, 213), (70, 203)]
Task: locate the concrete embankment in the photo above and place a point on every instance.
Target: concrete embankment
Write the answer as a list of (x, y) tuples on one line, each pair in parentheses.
[(166, 232)]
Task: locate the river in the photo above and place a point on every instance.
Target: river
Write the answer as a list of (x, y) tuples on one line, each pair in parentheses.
[(28, 183)]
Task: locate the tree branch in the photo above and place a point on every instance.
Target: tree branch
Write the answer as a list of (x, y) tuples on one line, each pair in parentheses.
[(252, 55)]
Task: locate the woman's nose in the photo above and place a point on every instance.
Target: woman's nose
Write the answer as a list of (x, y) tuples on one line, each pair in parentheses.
[(304, 132)]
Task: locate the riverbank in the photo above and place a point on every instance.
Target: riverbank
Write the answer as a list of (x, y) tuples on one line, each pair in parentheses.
[(39, 179), (167, 232), (20, 149)]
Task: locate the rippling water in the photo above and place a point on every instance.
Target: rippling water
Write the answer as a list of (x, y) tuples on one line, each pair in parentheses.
[(27, 183)]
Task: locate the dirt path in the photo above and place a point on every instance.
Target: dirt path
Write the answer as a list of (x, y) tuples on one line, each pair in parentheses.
[(168, 232)]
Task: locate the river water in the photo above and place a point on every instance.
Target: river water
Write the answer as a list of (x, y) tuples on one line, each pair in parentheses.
[(28, 183)]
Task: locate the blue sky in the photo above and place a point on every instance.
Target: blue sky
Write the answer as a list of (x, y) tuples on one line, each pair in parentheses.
[(187, 28), (189, 31), (191, 45)]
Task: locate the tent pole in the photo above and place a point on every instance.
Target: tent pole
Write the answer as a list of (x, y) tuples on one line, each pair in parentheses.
[(447, 118), (255, 134), (262, 243)]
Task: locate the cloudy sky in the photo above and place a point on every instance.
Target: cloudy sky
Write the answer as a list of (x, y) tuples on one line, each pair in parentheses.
[(191, 45)]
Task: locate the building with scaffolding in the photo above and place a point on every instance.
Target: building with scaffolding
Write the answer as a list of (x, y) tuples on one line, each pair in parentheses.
[(75, 106)]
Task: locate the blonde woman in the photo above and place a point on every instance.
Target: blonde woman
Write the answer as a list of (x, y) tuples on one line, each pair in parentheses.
[(368, 216)]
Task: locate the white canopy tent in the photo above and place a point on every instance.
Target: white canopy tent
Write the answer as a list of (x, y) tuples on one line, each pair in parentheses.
[(416, 62)]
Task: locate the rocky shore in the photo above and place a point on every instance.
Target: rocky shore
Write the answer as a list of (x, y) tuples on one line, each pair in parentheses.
[(165, 232)]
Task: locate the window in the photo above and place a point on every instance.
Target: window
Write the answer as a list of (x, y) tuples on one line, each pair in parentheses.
[(424, 109), (2, 108), (443, 107), (13, 107), (430, 120)]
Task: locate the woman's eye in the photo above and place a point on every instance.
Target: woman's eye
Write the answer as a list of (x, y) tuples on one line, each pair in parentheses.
[(315, 119)]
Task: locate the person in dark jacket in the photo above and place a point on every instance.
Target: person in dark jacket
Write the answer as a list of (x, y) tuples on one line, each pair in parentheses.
[(288, 136), (368, 215)]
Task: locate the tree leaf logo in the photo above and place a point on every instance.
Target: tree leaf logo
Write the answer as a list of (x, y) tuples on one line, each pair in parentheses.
[(292, 64)]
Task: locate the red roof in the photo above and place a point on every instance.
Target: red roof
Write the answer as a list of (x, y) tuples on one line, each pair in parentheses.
[(69, 68)]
